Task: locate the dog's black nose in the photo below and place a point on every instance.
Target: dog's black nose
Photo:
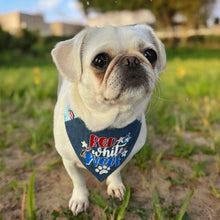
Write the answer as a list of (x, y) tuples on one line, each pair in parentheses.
[(130, 61)]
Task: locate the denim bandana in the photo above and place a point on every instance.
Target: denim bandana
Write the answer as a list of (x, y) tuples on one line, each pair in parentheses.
[(104, 151)]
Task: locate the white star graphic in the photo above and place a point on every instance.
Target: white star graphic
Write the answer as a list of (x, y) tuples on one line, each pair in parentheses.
[(123, 154), (121, 140), (84, 144)]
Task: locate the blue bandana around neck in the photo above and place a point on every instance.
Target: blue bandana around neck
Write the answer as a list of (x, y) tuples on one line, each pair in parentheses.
[(101, 152)]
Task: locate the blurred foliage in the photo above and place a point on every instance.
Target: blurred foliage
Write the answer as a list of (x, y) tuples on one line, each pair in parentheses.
[(26, 45), (6, 40), (25, 39), (25, 42), (196, 11)]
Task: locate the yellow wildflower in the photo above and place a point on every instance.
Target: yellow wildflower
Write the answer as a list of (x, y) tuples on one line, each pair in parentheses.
[(181, 72), (37, 80), (36, 70)]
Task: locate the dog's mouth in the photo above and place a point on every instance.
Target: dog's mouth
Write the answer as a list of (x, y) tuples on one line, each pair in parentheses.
[(134, 82), (127, 82)]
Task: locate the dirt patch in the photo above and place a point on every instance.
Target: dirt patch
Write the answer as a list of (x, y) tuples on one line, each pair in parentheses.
[(53, 187)]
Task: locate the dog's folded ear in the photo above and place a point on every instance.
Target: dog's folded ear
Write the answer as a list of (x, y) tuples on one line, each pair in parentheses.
[(67, 57), (161, 62)]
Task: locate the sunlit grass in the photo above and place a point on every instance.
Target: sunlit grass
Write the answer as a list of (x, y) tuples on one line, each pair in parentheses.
[(188, 101), (189, 93), (27, 100)]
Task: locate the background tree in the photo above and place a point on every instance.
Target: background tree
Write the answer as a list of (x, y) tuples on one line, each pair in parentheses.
[(196, 11)]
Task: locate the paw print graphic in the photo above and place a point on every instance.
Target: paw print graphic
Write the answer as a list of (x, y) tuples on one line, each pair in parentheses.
[(102, 169)]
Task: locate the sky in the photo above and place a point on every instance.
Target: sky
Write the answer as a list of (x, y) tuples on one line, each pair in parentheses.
[(53, 10), (56, 10)]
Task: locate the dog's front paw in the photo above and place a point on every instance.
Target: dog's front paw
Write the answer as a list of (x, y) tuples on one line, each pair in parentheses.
[(79, 202), (116, 191)]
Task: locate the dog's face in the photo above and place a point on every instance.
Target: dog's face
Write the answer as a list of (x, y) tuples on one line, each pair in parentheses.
[(112, 65)]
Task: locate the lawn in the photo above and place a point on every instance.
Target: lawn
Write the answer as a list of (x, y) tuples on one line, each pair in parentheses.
[(175, 174)]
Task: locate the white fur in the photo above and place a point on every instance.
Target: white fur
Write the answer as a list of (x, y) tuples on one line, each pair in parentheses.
[(81, 89)]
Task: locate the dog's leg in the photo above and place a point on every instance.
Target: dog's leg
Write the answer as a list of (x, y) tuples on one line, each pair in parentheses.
[(115, 186), (79, 201)]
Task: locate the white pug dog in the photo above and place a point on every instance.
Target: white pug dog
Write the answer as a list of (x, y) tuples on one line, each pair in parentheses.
[(107, 76)]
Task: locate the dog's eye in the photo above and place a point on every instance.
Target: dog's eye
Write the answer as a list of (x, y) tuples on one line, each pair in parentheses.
[(101, 61), (151, 55)]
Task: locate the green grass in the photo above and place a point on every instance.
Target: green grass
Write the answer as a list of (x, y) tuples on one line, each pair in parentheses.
[(160, 212), (189, 89), (111, 209), (188, 100), (28, 95), (31, 211)]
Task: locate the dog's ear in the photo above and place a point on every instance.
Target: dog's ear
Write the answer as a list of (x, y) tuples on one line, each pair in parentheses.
[(67, 57), (162, 61), (162, 58)]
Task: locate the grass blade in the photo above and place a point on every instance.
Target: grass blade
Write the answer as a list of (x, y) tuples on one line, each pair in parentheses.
[(184, 206), (30, 198), (23, 202), (122, 209), (100, 201), (214, 191), (156, 206), (51, 165), (97, 199)]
